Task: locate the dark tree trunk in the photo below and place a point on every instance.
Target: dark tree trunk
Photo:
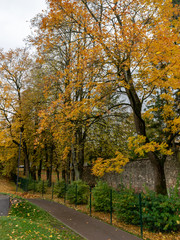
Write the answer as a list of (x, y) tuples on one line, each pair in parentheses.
[(57, 173), (73, 177), (26, 158), (33, 167), (51, 165), (33, 172), (73, 162), (159, 174), (64, 174), (158, 164), (68, 175), (40, 170), (47, 163), (80, 140), (81, 161), (24, 173), (27, 165)]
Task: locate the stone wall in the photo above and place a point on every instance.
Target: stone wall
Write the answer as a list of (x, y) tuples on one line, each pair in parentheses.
[(172, 171), (139, 174)]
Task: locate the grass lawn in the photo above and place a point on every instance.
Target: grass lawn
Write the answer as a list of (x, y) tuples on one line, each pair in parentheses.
[(27, 221)]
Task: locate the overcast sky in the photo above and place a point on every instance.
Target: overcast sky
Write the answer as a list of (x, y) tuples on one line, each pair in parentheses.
[(15, 16)]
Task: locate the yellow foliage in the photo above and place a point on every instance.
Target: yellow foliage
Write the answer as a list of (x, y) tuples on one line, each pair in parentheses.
[(101, 166), (167, 111), (148, 114), (173, 125), (134, 142), (140, 147)]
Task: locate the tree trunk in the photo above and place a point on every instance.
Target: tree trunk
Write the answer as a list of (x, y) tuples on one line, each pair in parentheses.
[(81, 161), (64, 174), (160, 186), (27, 165), (80, 140), (51, 165), (158, 164), (68, 175), (73, 175), (33, 167), (74, 162), (33, 172), (47, 162), (40, 170), (24, 173), (57, 173)]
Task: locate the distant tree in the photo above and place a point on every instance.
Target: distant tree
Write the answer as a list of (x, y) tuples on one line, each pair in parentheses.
[(15, 67)]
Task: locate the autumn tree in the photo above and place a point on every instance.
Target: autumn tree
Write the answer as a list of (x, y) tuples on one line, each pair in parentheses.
[(139, 38), (21, 101), (14, 76), (74, 85)]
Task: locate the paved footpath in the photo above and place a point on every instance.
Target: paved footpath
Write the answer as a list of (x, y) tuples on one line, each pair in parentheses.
[(4, 205), (86, 226)]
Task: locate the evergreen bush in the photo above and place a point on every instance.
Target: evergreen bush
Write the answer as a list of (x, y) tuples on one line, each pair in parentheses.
[(60, 189), (78, 192), (101, 197), (126, 206), (42, 186), (160, 213)]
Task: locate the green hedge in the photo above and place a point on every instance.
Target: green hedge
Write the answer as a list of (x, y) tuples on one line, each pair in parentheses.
[(160, 213), (101, 197), (126, 206), (60, 189), (78, 192), (41, 187)]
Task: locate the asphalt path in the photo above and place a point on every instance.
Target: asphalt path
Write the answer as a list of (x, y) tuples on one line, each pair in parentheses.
[(4, 205), (86, 226)]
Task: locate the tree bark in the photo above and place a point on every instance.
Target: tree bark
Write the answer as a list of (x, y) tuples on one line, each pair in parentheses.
[(51, 165), (68, 175), (64, 174), (40, 170), (27, 164), (33, 167), (157, 163), (80, 141), (81, 161), (57, 173), (159, 174)]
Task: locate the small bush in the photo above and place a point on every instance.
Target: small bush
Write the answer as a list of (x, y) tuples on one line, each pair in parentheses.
[(161, 213), (126, 206), (77, 192), (42, 187), (101, 197), (23, 183), (60, 189), (32, 186)]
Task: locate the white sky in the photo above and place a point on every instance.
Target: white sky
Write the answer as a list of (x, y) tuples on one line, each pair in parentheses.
[(15, 16)]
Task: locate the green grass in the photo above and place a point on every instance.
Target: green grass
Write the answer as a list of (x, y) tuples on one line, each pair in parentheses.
[(27, 221)]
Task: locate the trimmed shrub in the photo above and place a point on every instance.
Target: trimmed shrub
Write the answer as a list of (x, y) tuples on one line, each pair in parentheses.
[(78, 192), (126, 206), (60, 189), (32, 186), (101, 197), (160, 213), (42, 186)]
